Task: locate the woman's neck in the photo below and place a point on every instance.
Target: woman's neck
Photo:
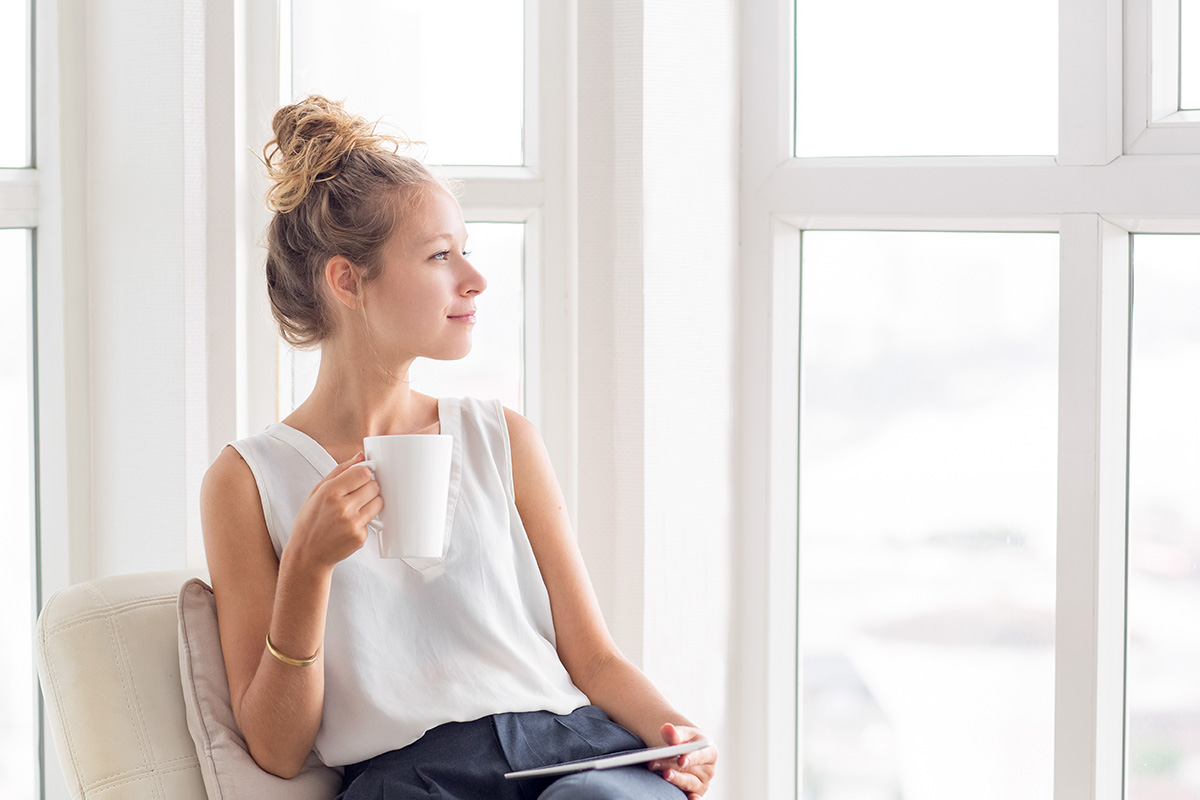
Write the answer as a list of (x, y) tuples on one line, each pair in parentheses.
[(354, 397)]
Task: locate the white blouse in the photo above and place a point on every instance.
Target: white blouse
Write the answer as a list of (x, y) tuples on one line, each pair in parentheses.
[(409, 646)]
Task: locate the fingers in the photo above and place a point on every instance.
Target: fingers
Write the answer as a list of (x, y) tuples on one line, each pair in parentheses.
[(345, 465), (688, 782), (678, 734), (691, 772), (353, 489), (692, 780), (365, 501), (347, 477), (371, 510)]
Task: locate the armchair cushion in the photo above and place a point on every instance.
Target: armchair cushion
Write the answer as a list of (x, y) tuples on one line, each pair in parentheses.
[(228, 770)]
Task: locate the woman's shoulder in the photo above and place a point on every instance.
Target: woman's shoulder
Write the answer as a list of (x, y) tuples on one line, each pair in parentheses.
[(491, 410), (229, 482), (236, 471)]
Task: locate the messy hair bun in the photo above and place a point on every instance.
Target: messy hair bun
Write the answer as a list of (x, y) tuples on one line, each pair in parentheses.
[(311, 138), (335, 189)]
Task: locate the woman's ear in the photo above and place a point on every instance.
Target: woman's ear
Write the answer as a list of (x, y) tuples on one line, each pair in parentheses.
[(343, 281)]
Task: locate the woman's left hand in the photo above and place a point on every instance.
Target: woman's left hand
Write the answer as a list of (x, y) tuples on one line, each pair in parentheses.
[(691, 772)]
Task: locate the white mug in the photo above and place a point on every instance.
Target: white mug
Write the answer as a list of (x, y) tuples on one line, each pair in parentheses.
[(413, 472)]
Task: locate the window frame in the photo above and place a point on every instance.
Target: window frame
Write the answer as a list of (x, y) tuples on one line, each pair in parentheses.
[(47, 199), (1109, 179), (1154, 123)]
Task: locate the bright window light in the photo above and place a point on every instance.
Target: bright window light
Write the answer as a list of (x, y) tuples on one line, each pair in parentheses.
[(18, 724), (495, 366), (1163, 694), (1189, 55), (450, 73), (15, 86), (928, 434), (926, 78)]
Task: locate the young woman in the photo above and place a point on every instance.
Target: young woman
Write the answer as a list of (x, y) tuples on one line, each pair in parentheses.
[(420, 682)]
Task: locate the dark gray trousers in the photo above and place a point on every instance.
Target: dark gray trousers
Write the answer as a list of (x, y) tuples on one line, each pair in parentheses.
[(467, 761)]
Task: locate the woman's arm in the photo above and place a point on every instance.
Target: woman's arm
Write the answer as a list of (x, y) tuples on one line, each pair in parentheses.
[(584, 644), (278, 705)]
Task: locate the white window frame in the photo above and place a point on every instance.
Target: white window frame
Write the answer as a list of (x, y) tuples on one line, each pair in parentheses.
[(535, 194), (1112, 177), (1154, 124), (44, 199)]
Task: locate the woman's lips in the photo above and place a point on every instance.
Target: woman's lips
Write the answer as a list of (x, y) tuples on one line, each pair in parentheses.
[(469, 317)]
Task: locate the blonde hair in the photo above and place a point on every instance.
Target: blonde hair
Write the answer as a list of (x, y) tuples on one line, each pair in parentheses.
[(337, 188)]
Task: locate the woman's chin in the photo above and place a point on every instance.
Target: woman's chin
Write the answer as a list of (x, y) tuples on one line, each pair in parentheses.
[(451, 354)]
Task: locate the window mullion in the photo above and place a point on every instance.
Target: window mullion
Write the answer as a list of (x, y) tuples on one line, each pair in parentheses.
[(1089, 82), (19, 199), (520, 190), (1093, 451)]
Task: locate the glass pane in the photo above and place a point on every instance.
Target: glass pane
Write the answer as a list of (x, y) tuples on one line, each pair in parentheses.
[(495, 366), (15, 84), (927, 77), (928, 436), (18, 689), (448, 73), (1163, 695), (1189, 54)]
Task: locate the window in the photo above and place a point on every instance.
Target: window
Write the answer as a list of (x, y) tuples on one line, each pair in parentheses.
[(875, 78), (1189, 55), (448, 74), (19, 720), (1161, 77), (1164, 519), (18, 705), (927, 436), (1125, 162), (16, 85)]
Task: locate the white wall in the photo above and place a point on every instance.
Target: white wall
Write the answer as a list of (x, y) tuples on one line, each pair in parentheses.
[(145, 230), (658, 173), (148, 159), (690, 236)]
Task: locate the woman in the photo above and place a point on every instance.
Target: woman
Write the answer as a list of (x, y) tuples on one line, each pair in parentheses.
[(496, 658)]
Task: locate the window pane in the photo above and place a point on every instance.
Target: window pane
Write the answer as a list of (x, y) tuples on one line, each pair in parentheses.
[(16, 128), (495, 366), (927, 77), (448, 73), (1163, 695), (18, 690), (927, 515), (1189, 54)]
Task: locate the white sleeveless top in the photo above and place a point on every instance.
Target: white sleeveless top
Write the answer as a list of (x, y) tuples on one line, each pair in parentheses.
[(408, 649)]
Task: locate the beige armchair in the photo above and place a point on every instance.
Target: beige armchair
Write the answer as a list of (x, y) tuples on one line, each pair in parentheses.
[(108, 658)]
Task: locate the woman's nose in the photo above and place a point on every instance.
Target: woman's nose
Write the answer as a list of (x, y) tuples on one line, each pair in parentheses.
[(475, 282)]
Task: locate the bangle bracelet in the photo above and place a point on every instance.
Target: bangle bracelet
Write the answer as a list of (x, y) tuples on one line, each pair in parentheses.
[(294, 662)]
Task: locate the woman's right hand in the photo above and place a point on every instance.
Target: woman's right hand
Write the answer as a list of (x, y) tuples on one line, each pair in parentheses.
[(332, 523)]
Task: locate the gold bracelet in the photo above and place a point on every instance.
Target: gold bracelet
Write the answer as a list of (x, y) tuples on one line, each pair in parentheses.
[(294, 662)]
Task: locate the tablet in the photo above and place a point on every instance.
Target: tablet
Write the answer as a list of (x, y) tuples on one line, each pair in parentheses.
[(614, 760)]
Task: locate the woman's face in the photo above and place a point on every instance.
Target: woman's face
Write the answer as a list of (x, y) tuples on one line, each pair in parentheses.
[(423, 302)]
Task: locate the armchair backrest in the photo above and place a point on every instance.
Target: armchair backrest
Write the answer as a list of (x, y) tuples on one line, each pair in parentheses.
[(108, 657)]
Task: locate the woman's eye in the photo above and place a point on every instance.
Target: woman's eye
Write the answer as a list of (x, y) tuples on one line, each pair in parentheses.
[(466, 253), (442, 255)]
